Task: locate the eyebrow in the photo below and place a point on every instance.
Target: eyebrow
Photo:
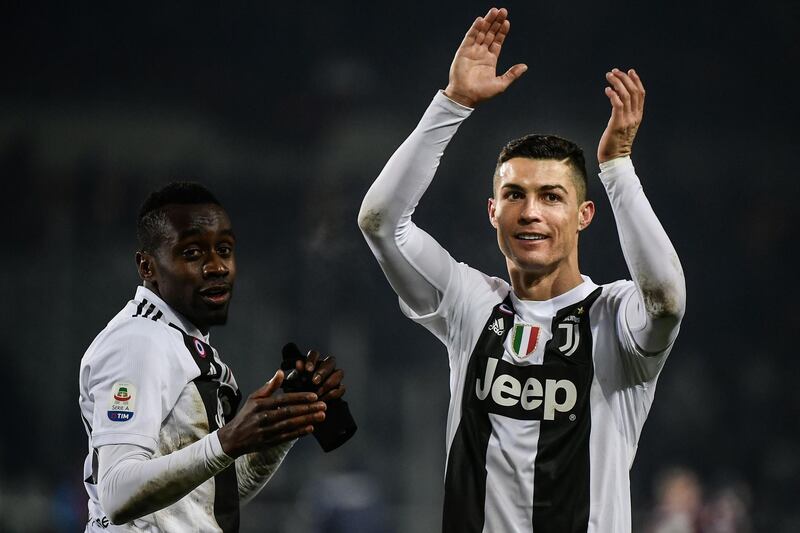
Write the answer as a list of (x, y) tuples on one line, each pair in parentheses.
[(195, 231), (543, 188), (553, 187)]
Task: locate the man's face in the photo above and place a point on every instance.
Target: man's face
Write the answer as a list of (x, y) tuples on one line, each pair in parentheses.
[(537, 215), (194, 267)]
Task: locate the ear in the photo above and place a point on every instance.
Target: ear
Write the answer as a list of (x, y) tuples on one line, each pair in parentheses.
[(145, 265), (585, 214), (491, 207)]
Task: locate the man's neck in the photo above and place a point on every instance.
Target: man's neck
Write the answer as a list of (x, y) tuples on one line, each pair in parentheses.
[(152, 287), (543, 286)]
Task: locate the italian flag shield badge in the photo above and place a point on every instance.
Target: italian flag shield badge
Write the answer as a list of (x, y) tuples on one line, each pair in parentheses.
[(525, 338)]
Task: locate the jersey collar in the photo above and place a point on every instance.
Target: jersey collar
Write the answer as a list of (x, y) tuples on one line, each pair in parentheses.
[(170, 315), (530, 309)]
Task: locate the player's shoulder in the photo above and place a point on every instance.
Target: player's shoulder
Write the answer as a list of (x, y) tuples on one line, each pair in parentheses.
[(136, 336), (616, 292), (610, 301), (477, 288), (476, 280)]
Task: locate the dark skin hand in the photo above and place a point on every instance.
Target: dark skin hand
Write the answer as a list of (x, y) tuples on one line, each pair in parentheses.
[(327, 376), (267, 419)]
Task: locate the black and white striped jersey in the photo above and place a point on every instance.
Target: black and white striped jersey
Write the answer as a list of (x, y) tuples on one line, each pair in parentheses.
[(548, 400), (151, 379)]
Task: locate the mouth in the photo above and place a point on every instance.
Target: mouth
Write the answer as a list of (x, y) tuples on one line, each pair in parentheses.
[(216, 295), (531, 237)]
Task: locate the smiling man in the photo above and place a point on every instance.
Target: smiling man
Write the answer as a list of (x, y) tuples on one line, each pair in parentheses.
[(552, 376), (167, 449)]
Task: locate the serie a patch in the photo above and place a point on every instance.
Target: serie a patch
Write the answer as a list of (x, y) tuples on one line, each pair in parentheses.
[(123, 402)]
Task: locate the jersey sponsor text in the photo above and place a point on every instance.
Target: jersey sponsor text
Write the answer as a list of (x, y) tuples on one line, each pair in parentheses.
[(531, 392)]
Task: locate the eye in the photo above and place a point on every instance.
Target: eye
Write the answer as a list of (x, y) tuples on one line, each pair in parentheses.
[(191, 253), (225, 250), (552, 197), (514, 195)]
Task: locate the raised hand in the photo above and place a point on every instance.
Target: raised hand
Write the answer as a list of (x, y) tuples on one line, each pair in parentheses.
[(473, 74), (627, 107), (267, 419)]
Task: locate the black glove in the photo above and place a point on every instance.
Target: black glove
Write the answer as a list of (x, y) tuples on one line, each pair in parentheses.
[(338, 425)]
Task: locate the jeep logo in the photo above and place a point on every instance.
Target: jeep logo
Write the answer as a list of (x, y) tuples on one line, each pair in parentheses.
[(510, 393)]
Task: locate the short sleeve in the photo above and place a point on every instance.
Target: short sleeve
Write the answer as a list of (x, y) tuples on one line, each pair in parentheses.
[(126, 381)]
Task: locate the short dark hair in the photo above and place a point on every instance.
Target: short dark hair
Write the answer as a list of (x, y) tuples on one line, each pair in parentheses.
[(538, 146), (151, 225)]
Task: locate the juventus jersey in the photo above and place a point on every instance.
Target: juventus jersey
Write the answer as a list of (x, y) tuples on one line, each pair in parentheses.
[(548, 400), (152, 380)]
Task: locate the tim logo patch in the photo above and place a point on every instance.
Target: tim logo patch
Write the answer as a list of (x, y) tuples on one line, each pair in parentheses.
[(123, 402)]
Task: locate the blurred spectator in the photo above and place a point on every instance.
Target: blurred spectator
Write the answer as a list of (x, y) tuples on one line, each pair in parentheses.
[(681, 508), (679, 499), (728, 511)]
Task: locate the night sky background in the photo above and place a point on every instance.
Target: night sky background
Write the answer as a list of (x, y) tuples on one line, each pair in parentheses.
[(288, 113)]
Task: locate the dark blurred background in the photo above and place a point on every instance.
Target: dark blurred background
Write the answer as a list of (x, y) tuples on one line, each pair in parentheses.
[(288, 114)]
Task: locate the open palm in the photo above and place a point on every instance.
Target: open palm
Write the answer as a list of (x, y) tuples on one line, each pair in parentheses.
[(626, 95), (473, 74)]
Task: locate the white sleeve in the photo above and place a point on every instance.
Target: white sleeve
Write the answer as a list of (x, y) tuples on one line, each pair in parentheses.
[(254, 470), (131, 483), (653, 316), (126, 381), (417, 267)]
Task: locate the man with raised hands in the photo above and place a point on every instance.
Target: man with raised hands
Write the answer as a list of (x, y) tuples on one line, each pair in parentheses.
[(551, 375)]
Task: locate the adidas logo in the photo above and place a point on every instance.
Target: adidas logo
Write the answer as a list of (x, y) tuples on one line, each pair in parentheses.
[(498, 326)]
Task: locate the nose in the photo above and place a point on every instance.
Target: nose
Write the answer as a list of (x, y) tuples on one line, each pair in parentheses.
[(530, 211), (215, 267)]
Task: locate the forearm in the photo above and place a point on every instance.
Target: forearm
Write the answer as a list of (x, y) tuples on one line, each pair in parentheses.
[(132, 483), (254, 470), (415, 265), (654, 318)]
